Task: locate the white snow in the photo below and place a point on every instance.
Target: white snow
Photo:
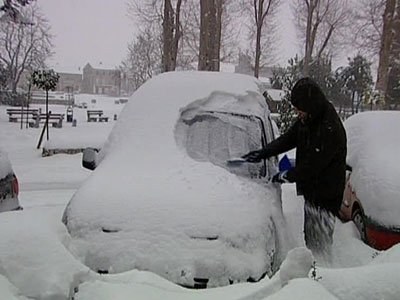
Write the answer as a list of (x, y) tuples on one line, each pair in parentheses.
[(8, 291), (33, 258), (297, 265), (373, 153), (40, 240), (5, 165), (153, 196)]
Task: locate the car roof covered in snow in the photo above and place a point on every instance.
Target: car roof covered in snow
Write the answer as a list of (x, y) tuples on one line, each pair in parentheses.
[(373, 153), (164, 96)]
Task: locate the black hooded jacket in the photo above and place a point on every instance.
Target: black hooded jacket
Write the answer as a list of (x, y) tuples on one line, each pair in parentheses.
[(320, 144)]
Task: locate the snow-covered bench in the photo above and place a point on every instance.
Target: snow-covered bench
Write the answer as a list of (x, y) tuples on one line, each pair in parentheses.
[(30, 114), (96, 115)]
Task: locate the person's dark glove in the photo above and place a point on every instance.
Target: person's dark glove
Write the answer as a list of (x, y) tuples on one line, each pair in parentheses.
[(253, 156), (280, 177)]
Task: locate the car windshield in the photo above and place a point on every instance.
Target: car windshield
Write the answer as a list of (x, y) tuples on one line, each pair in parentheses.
[(217, 137)]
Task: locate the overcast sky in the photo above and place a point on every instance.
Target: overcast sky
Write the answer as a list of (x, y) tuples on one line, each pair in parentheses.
[(98, 32)]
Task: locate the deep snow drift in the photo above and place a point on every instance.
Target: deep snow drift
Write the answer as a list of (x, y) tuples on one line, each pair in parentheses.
[(42, 266)]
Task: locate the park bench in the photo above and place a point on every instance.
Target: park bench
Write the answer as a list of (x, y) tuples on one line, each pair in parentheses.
[(55, 120), (14, 114), (96, 115)]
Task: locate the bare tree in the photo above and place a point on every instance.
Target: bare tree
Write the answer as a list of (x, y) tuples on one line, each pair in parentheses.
[(24, 46), (367, 16), (320, 25), (143, 59), (262, 30), (164, 19), (185, 37), (11, 10)]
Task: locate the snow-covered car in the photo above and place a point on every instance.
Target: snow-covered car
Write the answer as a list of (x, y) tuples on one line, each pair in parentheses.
[(162, 197), (371, 197), (8, 185)]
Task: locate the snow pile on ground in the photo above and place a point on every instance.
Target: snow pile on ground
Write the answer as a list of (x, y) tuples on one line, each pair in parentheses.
[(8, 291), (373, 152), (296, 265), (88, 136), (374, 282), (34, 260), (293, 277), (302, 289), (91, 134)]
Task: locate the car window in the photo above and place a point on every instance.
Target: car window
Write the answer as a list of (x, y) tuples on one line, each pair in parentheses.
[(217, 137)]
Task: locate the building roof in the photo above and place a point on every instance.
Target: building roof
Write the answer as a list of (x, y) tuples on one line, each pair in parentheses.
[(67, 69)]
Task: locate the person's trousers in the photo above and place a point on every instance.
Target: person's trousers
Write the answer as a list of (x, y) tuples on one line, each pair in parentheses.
[(319, 224)]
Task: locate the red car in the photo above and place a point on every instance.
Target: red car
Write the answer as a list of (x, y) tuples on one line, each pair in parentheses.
[(371, 197)]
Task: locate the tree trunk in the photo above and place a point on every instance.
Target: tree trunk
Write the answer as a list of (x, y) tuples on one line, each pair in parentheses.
[(168, 33), (47, 114), (386, 42), (308, 48), (177, 35), (204, 31), (217, 35), (259, 20), (210, 34)]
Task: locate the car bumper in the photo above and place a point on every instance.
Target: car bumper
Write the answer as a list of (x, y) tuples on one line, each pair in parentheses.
[(382, 238)]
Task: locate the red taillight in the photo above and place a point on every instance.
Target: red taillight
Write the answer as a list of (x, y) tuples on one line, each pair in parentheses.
[(382, 239), (15, 186)]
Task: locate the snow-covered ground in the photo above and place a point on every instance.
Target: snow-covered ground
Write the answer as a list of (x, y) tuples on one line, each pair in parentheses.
[(35, 262)]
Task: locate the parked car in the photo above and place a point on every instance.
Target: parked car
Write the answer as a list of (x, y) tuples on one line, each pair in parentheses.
[(371, 197), (162, 197), (8, 185)]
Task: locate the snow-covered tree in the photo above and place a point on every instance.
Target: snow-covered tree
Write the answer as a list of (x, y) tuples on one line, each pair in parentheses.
[(358, 81), (46, 80), (288, 78)]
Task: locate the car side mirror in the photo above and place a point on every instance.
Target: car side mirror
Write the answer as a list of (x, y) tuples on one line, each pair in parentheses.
[(89, 158)]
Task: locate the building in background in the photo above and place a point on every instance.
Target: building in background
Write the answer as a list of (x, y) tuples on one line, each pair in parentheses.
[(101, 81), (245, 66), (69, 82), (89, 80)]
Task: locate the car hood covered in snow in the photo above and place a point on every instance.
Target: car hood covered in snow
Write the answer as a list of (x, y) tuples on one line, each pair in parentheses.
[(373, 153), (150, 206)]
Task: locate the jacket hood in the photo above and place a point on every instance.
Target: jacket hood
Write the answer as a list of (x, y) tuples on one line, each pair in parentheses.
[(307, 96)]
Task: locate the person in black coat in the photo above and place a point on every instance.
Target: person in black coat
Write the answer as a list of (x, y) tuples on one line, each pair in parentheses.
[(319, 173)]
